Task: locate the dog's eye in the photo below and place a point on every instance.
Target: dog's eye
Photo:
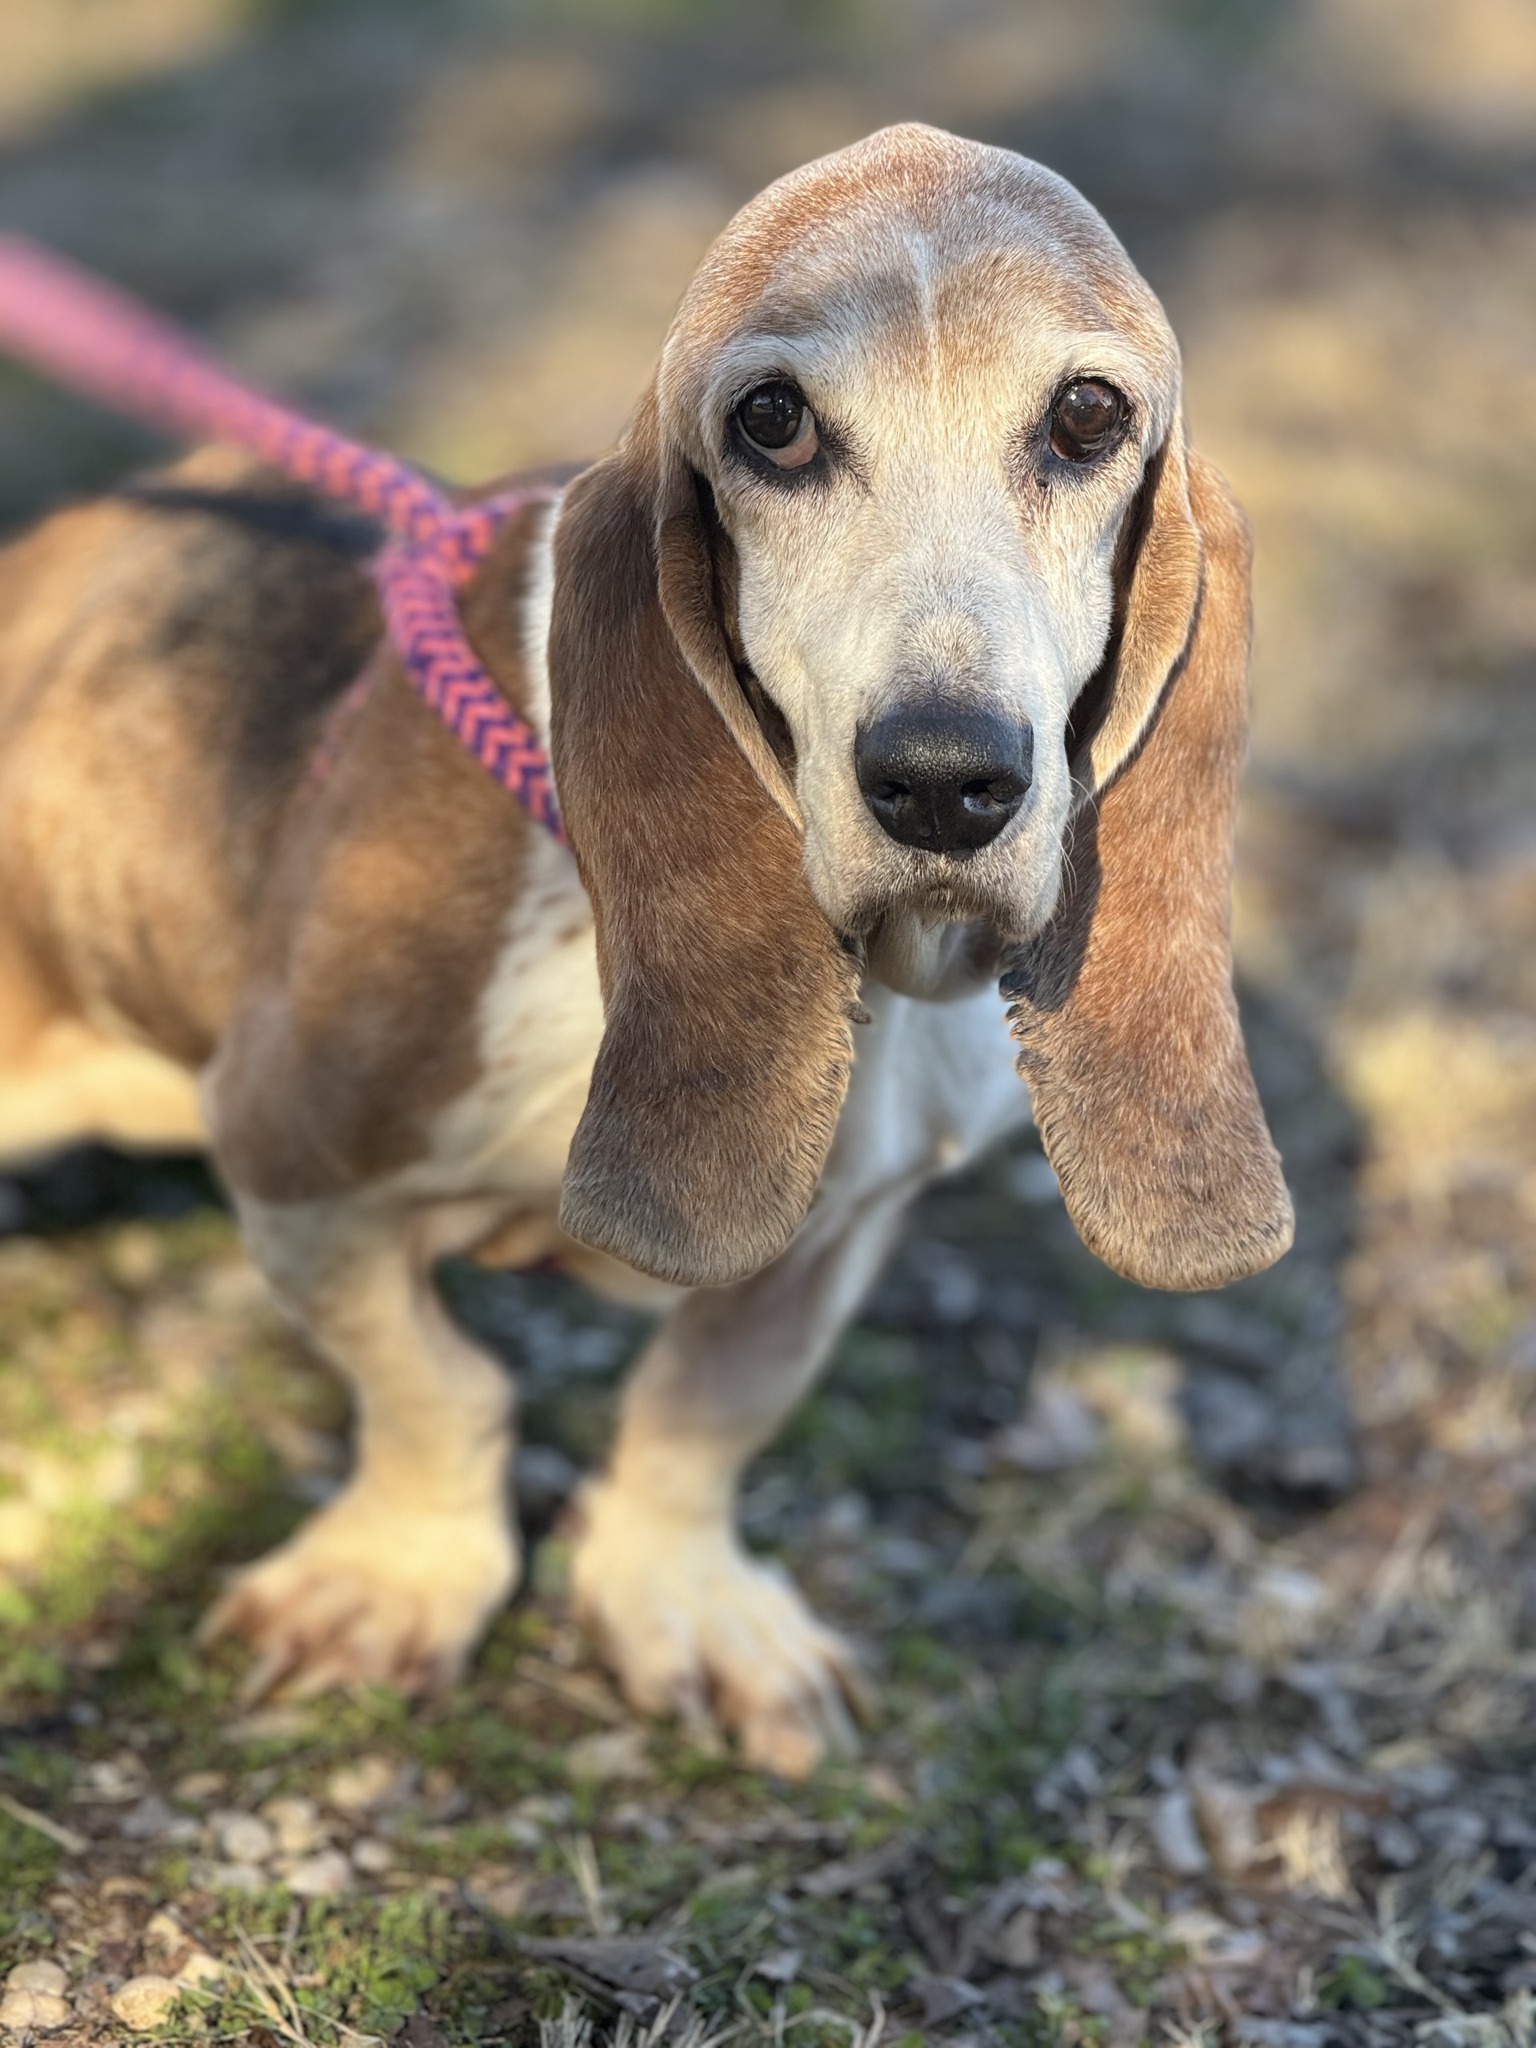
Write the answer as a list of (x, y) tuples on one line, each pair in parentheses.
[(776, 419), (1087, 416)]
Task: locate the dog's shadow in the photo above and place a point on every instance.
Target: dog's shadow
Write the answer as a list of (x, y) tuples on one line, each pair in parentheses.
[(993, 1255)]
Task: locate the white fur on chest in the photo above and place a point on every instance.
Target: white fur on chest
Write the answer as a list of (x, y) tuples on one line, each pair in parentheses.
[(540, 1024)]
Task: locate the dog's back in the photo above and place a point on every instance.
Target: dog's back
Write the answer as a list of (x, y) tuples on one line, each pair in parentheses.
[(169, 655)]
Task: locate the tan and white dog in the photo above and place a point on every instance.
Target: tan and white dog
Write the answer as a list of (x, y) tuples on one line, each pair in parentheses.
[(901, 645)]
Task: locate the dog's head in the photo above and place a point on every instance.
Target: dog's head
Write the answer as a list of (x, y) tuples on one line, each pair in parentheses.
[(902, 629)]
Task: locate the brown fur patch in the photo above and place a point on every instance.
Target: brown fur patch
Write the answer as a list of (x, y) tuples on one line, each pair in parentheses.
[(167, 656), (380, 929), (1124, 1007), (726, 994)]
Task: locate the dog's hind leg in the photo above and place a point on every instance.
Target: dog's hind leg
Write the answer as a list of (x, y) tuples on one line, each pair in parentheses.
[(63, 1081), (71, 1084), (394, 1581)]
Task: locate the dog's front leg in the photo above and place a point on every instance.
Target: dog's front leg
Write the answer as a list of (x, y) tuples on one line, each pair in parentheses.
[(692, 1624), (394, 1580)]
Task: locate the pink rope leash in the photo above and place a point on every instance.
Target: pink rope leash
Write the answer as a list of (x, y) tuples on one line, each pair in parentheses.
[(84, 333)]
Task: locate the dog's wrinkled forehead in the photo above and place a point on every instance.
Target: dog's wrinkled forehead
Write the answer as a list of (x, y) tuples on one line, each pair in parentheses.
[(854, 249)]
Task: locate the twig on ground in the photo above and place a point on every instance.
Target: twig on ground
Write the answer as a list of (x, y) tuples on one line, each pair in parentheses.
[(29, 1817)]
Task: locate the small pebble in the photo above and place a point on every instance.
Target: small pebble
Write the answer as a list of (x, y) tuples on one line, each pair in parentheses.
[(373, 1857), (882, 1783), (444, 1795), (1397, 1844), (296, 1824), (545, 1809), (505, 1898), (196, 1788), (34, 2012), (358, 1788), (230, 1877), (165, 1930), (780, 1966), (642, 1819), (613, 1753), (234, 1288), (154, 1819), (845, 1518), (1056, 1431), (113, 1778), (1175, 1836), (40, 1976), (135, 1256), (243, 1838), (319, 1877), (143, 2002), (280, 1721), (904, 1557), (200, 1969)]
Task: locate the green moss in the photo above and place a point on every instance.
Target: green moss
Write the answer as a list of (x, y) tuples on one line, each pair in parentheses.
[(361, 1965), (1060, 2022), (28, 1861), (1353, 1985), (1139, 1961), (201, 1483)]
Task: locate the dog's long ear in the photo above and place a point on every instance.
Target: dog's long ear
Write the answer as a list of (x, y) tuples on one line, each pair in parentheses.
[(1123, 1007), (726, 994)]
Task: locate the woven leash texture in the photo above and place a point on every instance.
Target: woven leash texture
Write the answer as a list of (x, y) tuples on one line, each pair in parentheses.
[(79, 331)]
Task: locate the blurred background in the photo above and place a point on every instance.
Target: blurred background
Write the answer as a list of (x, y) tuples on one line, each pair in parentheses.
[(1269, 1553)]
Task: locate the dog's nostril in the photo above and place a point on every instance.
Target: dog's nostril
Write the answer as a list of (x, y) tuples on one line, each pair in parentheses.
[(986, 796), (943, 781)]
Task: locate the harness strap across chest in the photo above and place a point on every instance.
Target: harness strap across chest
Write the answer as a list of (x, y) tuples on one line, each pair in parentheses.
[(79, 331)]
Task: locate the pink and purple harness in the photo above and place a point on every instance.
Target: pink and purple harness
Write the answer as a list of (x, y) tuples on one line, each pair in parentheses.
[(87, 334)]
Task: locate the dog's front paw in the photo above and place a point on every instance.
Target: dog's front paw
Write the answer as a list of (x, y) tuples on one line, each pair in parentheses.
[(365, 1594), (693, 1626)]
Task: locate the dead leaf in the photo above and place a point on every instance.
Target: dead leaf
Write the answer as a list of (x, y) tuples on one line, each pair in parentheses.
[(636, 1975), (852, 1873)]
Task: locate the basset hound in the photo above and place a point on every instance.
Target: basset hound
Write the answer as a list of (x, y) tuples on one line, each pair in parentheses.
[(898, 651)]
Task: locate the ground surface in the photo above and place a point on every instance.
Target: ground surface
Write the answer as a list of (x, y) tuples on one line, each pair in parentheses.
[(1205, 1718)]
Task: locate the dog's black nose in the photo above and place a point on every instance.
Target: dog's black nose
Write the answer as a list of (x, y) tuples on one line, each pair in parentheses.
[(943, 780)]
